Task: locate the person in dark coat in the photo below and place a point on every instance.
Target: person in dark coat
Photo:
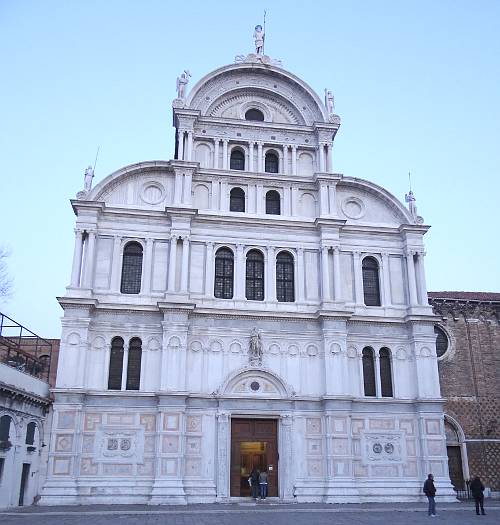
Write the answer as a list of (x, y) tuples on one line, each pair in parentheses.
[(430, 492), (254, 482), (477, 490)]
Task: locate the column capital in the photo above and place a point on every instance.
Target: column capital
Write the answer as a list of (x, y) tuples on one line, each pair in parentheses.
[(149, 240), (356, 253), (300, 251), (240, 247), (385, 254), (210, 244), (325, 247), (185, 237), (174, 237), (259, 143), (223, 416), (336, 249), (410, 252), (225, 141), (294, 146)]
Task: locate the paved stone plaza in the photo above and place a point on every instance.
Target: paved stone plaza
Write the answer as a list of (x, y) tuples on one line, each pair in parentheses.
[(250, 514)]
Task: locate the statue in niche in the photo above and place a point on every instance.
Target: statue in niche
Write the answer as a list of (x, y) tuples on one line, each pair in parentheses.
[(182, 83), (259, 36), (329, 102), (255, 348), (87, 180)]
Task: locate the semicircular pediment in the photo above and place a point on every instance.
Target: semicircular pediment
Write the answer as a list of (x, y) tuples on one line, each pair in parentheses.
[(234, 104), (284, 87), (255, 382)]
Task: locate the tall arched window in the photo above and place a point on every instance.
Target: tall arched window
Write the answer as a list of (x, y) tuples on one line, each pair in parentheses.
[(132, 268), (285, 286), (371, 288), (237, 161), (224, 273), (134, 364), (5, 428), (385, 372), (115, 364), (272, 163), (237, 200), (255, 276), (369, 372), (273, 201), (30, 433)]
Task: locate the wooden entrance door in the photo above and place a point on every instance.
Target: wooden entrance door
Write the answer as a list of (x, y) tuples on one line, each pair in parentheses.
[(455, 467), (254, 443)]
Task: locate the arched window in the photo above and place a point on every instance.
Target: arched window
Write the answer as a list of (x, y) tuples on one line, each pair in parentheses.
[(132, 268), (255, 276), (237, 200), (254, 114), (134, 364), (371, 288), (30, 433), (369, 372), (224, 272), (5, 428), (115, 364), (285, 287), (272, 163), (441, 341), (385, 372), (237, 160), (273, 201)]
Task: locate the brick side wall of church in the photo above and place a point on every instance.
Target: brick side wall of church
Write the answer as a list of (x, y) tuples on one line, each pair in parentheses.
[(470, 381)]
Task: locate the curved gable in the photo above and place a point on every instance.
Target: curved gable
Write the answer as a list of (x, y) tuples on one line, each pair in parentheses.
[(284, 89)]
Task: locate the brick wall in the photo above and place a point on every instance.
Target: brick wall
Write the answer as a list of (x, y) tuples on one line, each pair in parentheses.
[(470, 377)]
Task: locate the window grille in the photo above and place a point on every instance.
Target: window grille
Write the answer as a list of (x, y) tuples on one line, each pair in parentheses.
[(224, 273), (273, 202), (115, 364), (134, 364), (371, 288), (285, 287), (237, 161), (369, 372), (271, 163), (254, 114), (441, 341), (385, 372), (237, 200), (132, 268), (30, 433), (255, 276)]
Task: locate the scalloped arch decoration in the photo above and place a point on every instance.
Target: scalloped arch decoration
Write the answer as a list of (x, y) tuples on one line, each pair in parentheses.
[(231, 105), (255, 382)]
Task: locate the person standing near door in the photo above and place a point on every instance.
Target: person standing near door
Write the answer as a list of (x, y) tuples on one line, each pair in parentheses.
[(254, 482), (263, 484), (430, 492), (477, 490)]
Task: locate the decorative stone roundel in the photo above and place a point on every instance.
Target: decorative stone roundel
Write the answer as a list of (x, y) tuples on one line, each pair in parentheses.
[(274, 349), (312, 350), (215, 346), (352, 352), (293, 350), (235, 347), (425, 352), (152, 192), (335, 348), (154, 344), (401, 354), (98, 343), (196, 346), (353, 207)]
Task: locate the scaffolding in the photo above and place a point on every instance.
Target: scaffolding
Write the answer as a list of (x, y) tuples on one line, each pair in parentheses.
[(24, 350)]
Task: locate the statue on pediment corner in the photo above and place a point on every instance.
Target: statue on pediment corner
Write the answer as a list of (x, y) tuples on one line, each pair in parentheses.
[(182, 83)]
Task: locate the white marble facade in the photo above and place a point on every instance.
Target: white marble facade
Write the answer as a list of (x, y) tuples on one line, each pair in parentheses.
[(169, 441)]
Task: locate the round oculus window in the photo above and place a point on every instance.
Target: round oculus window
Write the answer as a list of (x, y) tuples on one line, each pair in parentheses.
[(254, 385), (442, 343)]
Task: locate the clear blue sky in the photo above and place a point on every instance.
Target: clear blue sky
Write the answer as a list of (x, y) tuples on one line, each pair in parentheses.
[(417, 85)]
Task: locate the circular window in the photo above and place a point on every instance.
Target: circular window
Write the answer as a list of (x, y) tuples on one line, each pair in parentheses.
[(254, 385), (442, 343), (377, 448), (254, 114)]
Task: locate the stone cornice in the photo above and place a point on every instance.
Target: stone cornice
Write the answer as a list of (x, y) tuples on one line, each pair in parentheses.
[(13, 392)]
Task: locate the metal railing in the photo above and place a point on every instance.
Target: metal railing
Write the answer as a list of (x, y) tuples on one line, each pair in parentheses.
[(24, 350)]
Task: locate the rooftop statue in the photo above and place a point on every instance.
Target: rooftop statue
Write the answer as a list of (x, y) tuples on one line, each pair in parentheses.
[(329, 102), (259, 36), (182, 83), (411, 200), (87, 180)]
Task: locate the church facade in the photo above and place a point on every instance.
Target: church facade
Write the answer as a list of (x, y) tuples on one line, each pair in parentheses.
[(243, 305)]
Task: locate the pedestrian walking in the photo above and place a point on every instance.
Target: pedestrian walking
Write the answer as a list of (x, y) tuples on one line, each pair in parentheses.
[(430, 492), (254, 482), (263, 484), (477, 490)]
